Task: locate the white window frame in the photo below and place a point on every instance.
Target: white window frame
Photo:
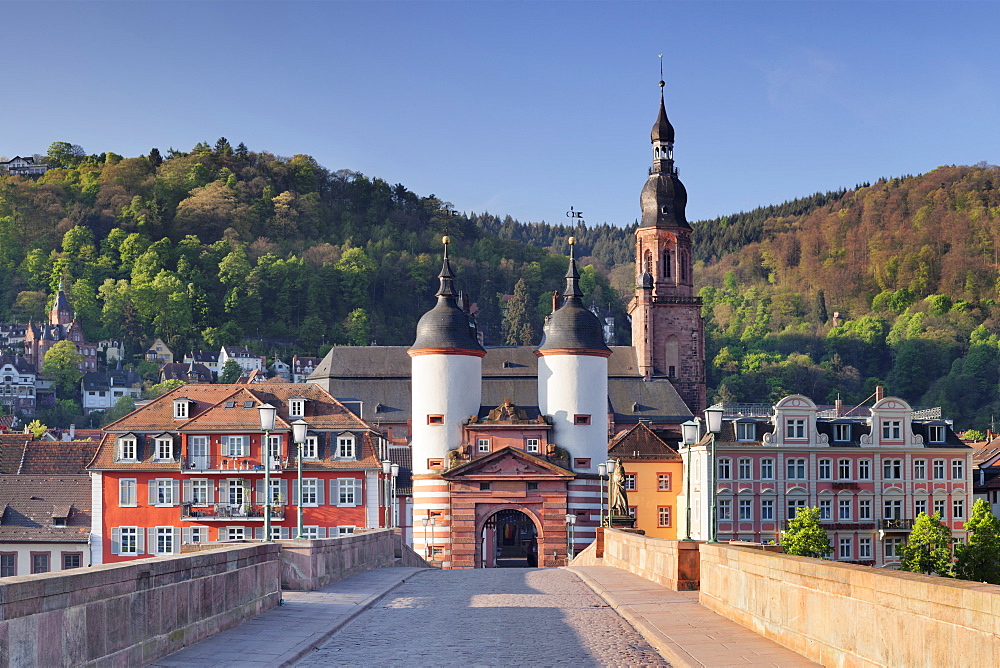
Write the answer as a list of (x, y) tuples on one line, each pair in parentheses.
[(935, 433), (826, 510), (345, 529), (127, 493), (841, 433), (846, 550), (920, 469), (310, 533), (134, 544), (629, 482), (310, 492), (165, 538), (725, 510), (310, 448), (203, 485), (793, 505), (919, 506), (767, 510), (939, 469), (795, 429), (892, 430), (892, 469), (745, 468), (746, 510), (844, 510), (957, 469), (181, 410), (958, 509), (532, 445), (166, 492), (825, 469), (767, 469), (940, 508), (164, 448), (746, 431), (796, 468), (346, 446), (864, 469), (348, 492), (236, 446), (482, 445), (844, 468), (864, 548), (864, 509), (296, 408), (725, 469), (128, 449)]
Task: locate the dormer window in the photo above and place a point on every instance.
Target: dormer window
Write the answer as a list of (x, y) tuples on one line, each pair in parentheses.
[(181, 406), (164, 448), (935, 434), (296, 407), (892, 430), (127, 448), (310, 449), (345, 446), (745, 431)]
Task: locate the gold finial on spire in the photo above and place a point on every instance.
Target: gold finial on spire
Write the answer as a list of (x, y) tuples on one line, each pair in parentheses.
[(572, 241), (446, 240)]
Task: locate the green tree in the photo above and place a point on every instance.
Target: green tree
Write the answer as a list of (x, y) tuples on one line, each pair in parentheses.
[(928, 549), (357, 327), (231, 371), (122, 407), (61, 415), (979, 559), (517, 329), (64, 154), (162, 388), (805, 537), (62, 365)]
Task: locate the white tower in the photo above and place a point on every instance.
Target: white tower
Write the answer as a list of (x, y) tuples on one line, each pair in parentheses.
[(573, 392), (447, 374)]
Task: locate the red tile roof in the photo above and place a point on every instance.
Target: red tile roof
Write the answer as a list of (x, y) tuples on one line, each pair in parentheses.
[(57, 457), (28, 503), (641, 443)]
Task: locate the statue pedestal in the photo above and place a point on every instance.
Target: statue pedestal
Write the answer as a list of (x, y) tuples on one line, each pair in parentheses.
[(622, 522)]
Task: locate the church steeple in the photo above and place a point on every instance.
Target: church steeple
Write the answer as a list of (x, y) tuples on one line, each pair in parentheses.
[(663, 198)]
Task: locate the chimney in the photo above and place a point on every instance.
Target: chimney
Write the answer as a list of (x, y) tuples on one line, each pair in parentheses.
[(879, 393), (838, 407), (72, 432)]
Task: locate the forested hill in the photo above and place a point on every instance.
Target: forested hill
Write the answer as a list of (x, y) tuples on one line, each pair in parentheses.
[(911, 264), (224, 245)]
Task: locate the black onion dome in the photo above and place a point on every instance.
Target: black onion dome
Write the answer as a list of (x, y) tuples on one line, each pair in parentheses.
[(663, 131), (572, 326), (663, 201), (447, 325)]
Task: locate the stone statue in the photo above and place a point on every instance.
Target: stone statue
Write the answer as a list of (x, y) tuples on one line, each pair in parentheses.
[(617, 497)]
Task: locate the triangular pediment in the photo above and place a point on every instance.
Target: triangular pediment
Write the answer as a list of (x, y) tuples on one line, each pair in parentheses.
[(508, 462)]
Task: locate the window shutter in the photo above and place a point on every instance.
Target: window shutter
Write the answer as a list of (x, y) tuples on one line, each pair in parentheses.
[(319, 492), (211, 491), (224, 491), (284, 533), (223, 533), (152, 540), (186, 535), (116, 540), (258, 533), (359, 486), (177, 540), (177, 491), (335, 492), (295, 492), (260, 496), (151, 488), (321, 532), (140, 546), (188, 496), (283, 491)]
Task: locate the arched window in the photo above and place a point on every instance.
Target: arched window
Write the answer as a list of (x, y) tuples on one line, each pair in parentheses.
[(647, 262), (667, 261)]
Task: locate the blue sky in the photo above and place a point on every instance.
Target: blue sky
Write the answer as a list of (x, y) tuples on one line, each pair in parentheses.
[(521, 108)]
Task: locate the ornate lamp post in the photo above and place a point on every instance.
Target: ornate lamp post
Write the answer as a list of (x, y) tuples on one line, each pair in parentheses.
[(570, 536), (690, 431), (393, 510), (427, 549), (602, 470), (299, 428), (713, 420), (267, 413)]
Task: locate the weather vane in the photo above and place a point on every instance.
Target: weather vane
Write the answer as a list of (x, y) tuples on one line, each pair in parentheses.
[(661, 70), (575, 214)]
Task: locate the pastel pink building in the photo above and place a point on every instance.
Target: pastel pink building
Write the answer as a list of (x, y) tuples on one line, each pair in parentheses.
[(869, 475)]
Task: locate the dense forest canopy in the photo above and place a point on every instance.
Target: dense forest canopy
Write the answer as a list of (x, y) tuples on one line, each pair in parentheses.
[(222, 244)]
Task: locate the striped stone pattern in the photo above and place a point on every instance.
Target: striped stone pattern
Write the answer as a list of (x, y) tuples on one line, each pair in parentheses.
[(585, 495), (431, 498)]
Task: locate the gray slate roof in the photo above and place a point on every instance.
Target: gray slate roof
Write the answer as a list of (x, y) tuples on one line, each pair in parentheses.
[(28, 502)]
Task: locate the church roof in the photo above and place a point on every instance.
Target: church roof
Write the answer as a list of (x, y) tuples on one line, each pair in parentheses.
[(663, 201), (662, 131)]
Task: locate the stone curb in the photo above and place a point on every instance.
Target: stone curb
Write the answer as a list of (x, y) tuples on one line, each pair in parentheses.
[(667, 648), (298, 652)]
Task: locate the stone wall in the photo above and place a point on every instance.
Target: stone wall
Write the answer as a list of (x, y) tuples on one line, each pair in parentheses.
[(671, 563), (311, 564), (135, 612), (847, 615)]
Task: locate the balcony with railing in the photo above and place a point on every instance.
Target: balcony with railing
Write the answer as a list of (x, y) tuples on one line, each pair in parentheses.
[(895, 524), (231, 464), (228, 512)]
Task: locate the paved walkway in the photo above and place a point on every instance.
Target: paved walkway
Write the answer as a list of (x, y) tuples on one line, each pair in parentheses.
[(685, 632), (285, 634), (489, 617)]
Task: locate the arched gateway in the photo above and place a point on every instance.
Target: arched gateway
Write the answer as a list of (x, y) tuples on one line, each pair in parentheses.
[(508, 539)]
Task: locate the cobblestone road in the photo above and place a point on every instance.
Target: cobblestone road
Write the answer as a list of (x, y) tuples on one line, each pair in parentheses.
[(489, 617)]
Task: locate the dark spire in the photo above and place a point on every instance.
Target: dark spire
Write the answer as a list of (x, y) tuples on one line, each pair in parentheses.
[(447, 276), (664, 197), (663, 131), (572, 277), (572, 326), (447, 326)]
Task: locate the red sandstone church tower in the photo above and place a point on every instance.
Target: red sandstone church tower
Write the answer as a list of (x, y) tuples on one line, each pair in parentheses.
[(668, 332)]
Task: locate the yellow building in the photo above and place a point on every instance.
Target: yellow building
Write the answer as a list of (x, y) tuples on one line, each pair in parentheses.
[(653, 478)]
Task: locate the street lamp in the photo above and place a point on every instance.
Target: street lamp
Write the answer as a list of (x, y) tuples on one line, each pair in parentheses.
[(432, 538), (690, 431), (393, 510), (267, 413), (299, 428), (570, 536), (427, 553), (602, 470), (713, 421)]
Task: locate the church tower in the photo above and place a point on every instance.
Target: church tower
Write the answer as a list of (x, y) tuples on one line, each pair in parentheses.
[(61, 313), (446, 385), (573, 393), (668, 332)]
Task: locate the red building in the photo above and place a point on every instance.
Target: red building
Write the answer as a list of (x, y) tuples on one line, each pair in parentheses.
[(188, 468)]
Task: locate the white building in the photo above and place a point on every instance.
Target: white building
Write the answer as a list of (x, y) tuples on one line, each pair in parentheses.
[(45, 524), (242, 356)]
